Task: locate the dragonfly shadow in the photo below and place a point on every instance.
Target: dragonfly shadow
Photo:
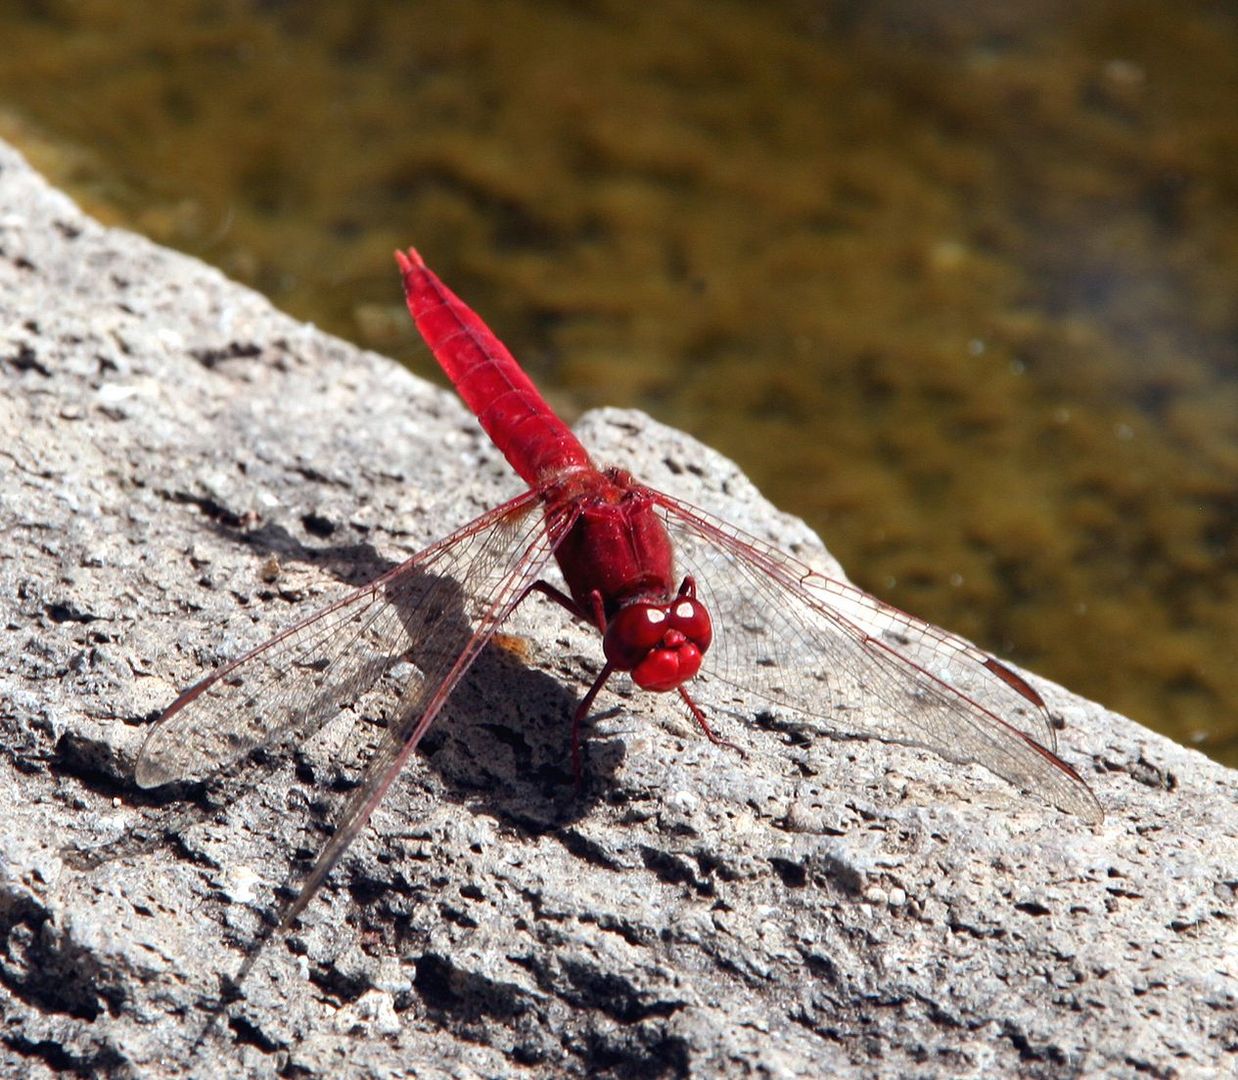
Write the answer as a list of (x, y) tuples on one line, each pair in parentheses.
[(381, 654), (353, 563), (504, 740), (501, 745), (504, 746)]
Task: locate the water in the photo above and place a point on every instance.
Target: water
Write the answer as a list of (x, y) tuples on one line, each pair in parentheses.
[(959, 287)]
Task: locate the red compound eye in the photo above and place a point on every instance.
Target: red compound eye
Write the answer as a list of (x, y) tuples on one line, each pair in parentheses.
[(635, 630), (660, 644), (688, 615)]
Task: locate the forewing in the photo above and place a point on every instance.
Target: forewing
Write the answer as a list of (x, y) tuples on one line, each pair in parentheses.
[(830, 652), (423, 699), (283, 690)]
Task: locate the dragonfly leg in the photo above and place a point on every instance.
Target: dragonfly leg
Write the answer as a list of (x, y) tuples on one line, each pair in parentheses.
[(699, 717), (560, 598), (597, 616), (578, 720)]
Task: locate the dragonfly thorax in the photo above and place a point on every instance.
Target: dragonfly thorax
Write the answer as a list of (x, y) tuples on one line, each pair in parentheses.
[(661, 645)]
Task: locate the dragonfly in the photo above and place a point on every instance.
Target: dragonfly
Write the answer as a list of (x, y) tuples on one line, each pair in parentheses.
[(685, 603)]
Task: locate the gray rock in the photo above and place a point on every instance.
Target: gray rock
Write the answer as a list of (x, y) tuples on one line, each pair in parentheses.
[(183, 469)]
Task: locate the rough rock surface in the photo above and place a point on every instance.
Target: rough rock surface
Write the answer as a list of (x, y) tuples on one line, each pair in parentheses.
[(182, 469)]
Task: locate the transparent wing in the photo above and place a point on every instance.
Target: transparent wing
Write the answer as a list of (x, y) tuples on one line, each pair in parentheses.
[(831, 652), (431, 609), (423, 699)]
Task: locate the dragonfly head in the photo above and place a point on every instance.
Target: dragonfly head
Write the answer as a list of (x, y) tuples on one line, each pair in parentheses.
[(661, 645)]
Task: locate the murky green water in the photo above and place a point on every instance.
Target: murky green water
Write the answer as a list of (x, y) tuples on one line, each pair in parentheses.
[(958, 283)]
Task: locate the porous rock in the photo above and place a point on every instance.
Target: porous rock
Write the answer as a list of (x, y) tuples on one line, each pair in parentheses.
[(184, 469)]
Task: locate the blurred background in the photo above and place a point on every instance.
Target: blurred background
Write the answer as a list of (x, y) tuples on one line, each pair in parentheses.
[(956, 282)]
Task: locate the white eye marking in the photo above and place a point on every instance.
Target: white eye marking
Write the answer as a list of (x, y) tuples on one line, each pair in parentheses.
[(684, 609), (655, 615)]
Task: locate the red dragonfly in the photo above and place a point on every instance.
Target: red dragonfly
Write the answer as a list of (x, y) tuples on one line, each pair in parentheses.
[(643, 568)]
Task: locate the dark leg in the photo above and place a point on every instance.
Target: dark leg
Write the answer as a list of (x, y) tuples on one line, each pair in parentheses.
[(566, 602), (560, 598), (582, 710)]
